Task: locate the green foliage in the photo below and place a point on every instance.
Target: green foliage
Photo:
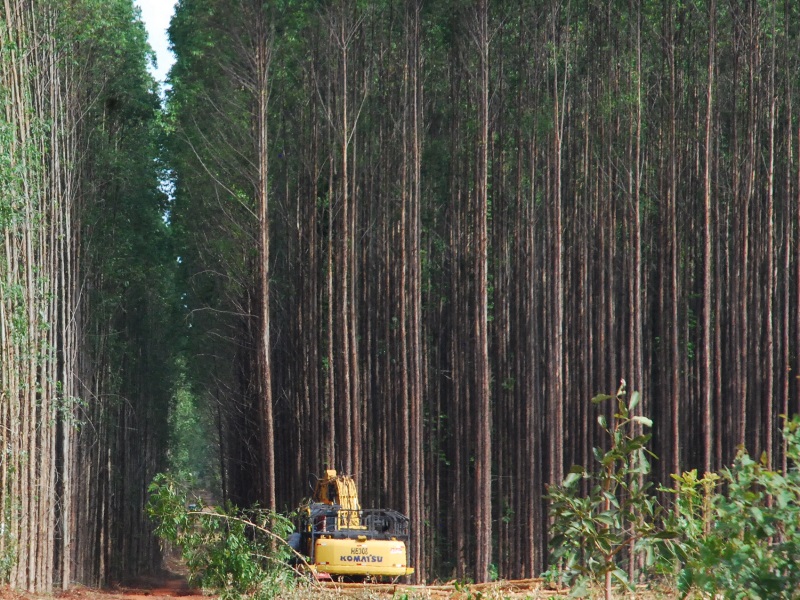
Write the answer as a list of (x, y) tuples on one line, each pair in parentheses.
[(9, 555), (10, 175), (589, 532), (232, 552), (191, 427), (693, 506), (7, 560), (742, 542)]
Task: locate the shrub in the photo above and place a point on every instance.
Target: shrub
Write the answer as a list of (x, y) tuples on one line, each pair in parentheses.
[(232, 552), (743, 542), (591, 533)]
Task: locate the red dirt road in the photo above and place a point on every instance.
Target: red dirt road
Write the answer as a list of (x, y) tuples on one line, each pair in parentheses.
[(166, 585)]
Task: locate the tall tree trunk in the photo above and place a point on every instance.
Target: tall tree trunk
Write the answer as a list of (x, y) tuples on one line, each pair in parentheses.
[(770, 292), (414, 305), (262, 63), (673, 264), (707, 351), (556, 375), (483, 458)]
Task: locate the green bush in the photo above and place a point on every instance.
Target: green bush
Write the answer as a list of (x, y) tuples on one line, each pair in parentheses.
[(591, 533), (733, 534), (743, 541), (231, 552)]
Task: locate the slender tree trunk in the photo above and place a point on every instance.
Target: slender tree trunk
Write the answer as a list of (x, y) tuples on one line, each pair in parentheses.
[(413, 244), (707, 352), (556, 375), (483, 462), (673, 244), (769, 366), (262, 62)]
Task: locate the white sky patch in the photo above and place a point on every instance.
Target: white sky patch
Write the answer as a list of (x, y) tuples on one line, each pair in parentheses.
[(155, 16)]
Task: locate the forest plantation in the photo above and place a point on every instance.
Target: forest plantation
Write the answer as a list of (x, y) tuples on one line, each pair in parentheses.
[(407, 239)]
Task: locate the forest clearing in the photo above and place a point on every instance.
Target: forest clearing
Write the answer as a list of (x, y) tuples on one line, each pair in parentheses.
[(529, 273)]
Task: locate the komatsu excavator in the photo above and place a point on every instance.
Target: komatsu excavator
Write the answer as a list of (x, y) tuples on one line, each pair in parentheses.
[(340, 540)]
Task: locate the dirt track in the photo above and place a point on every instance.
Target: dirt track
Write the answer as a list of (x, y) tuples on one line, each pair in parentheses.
[(169, 585), (175, 586)]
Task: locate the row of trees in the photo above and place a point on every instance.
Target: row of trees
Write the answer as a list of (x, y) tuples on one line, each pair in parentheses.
[(416, 238), (413, 239), (85, 286)]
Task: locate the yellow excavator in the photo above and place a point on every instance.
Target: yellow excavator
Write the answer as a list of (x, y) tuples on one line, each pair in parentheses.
[(340, 540)]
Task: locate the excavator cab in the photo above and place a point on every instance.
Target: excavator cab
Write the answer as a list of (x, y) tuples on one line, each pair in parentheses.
[(344, 541)]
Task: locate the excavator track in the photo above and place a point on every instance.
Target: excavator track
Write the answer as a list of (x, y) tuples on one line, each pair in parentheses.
[(521, 588)]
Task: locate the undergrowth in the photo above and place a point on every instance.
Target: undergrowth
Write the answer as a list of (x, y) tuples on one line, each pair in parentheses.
[(231, 552), (732, 534)]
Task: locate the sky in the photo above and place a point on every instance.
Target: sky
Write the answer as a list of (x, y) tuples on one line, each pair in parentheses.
[(156, 15)]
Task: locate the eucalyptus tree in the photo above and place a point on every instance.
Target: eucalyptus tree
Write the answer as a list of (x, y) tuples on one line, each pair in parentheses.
[(479, 215), (222, 199), (85, 280)]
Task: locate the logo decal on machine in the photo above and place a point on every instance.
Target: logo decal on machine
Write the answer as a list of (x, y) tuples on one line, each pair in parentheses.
[(364, 558)]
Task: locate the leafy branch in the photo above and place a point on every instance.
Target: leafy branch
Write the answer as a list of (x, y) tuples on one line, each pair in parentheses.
[(235, 553), (590, 532), (741, 539)]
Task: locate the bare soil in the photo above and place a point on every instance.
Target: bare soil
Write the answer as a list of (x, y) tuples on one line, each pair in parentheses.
[(166, 585), (171, 585), (145, 590)]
